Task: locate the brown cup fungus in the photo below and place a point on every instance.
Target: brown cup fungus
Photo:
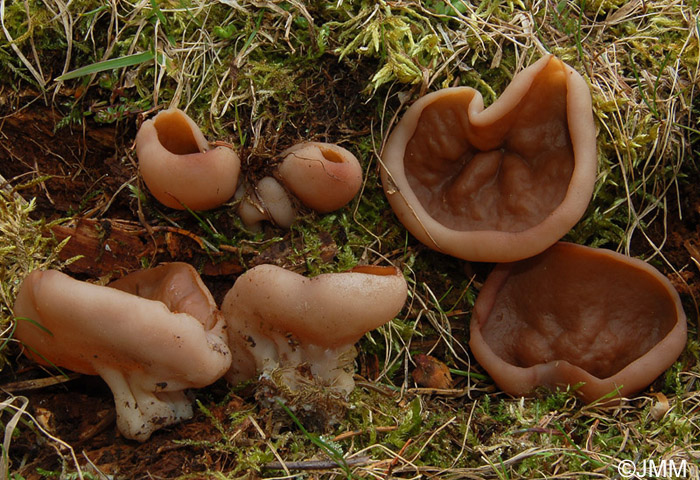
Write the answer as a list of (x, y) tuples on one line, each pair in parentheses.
[(323, 176), (178, 165), (298, 334), (150, 335), (497, 184), (576, 316)]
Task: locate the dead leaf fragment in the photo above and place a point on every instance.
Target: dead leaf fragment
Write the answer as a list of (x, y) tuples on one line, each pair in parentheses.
[(431, 372), (660, 407)]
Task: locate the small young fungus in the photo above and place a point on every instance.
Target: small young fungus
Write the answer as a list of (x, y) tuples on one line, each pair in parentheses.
[(323, 176), (178, 166), (268, 201)]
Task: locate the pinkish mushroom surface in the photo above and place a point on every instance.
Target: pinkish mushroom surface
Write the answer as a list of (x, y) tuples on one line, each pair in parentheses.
[(178, 165), (283, 320), (577, 315), (268, 201), (323, 176), (496, 184), (150, 335)]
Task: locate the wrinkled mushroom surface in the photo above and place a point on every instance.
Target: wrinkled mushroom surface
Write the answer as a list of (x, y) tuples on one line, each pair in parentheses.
[(323, 176), (279, 318), (497, 184), (153, 335), (575, 314), (178, 166)]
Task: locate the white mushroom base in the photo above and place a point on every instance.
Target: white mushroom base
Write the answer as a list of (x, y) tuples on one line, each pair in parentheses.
[(299, 333), (141, 409)]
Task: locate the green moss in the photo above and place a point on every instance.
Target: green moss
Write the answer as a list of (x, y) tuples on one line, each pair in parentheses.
[(26, 244)]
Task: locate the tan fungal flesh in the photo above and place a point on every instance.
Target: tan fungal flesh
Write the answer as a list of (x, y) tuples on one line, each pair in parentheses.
[(575, 314), (496, 184)]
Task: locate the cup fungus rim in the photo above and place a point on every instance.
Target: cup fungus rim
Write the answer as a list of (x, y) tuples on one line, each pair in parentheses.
[(479, 245), (594, 388)]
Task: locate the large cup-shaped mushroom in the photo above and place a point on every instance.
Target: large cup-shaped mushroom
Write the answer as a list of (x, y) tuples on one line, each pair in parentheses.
[(499, 184), (179, 167), (284, 320), (150, 335), (577, 315), (324, 176)]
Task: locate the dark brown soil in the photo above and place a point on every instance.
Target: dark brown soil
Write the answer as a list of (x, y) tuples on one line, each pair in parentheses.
[(81, 413)]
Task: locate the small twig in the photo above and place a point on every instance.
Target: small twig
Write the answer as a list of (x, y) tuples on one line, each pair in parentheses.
[(221, 143), (186, 233), (395, 460), (38, 383), (102, 424), (443, 392), (377, 388), (354, 433), (318, 464), (99, 472)]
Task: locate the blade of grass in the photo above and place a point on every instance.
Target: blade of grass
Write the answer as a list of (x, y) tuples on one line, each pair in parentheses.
[(658, 77), (9, 337), (332, 452), (640, 87), (651, 103), (46, 360), (582, 454), (464, 373), (252, 35), (163, 21), (111, 64), (35, 323), (33, 350)]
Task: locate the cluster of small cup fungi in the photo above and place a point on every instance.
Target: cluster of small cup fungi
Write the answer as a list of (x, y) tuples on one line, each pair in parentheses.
[(181, 171), (502, 184)]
